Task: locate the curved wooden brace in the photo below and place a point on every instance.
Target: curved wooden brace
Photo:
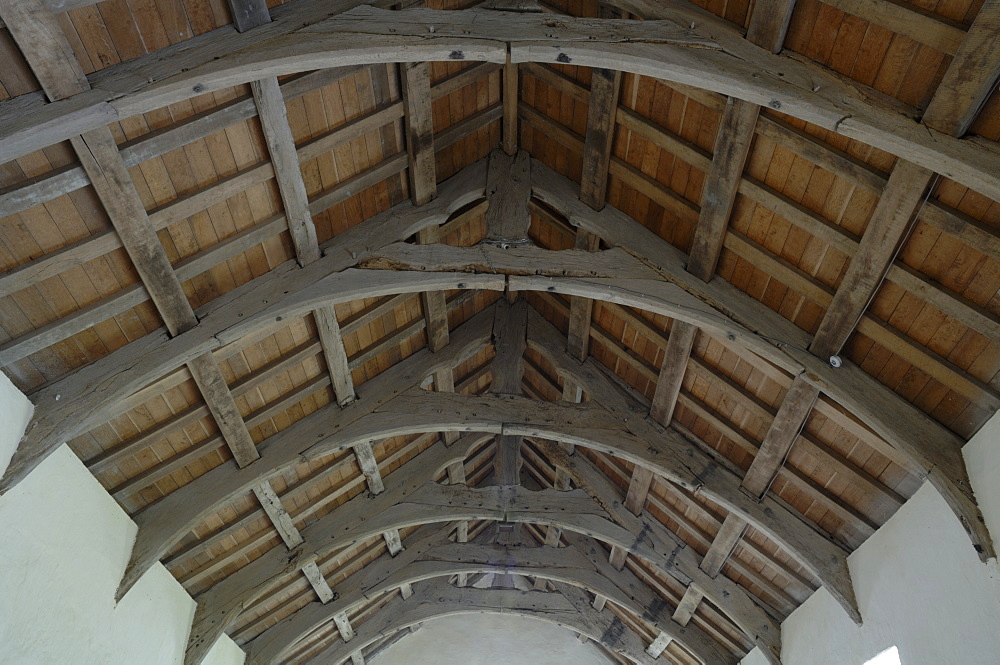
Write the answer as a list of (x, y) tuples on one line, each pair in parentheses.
[(220, 606), (325, 431), (409, 500), (710, 55), (424, 561), (569, 608), (73, 404), (662, 450), (721, 307)]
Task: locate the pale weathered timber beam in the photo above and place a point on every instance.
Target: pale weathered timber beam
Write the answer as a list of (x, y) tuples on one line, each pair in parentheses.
[(721, 61), (929, 445), (51, 58), (584, 424), (970, 78), (671, 456), (106, 170), (746, 612), (59, 182), (419, 129), (86, 395), (402, 506), (249, 14), (887, 230), (864, 525), (717, 480), (600, 135), (130, 297), (291, 186), (508, 188), (419, 122), (910, 350), (784, 430), (219, 607), (511, 95), (510, 324), (281, 147), (934, 213), (438, 599), (167, 521), (734, 137), (425, 560)]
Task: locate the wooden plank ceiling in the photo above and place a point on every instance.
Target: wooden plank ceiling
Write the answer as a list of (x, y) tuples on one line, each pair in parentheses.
[(243, 302)]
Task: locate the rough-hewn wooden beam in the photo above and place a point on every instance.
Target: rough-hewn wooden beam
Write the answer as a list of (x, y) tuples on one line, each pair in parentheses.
[(929, 445), (510, 99), (164, 523), (886, 230), (281, 146), (732, 145), (510, 325), (438, 599), (783, 432), (604, 87), (419, 121), (86, 396), (249, 14), (769, 24), (508, 188), (219, 607), (425, 559), (722, 61), (971, 77), (736, 602)]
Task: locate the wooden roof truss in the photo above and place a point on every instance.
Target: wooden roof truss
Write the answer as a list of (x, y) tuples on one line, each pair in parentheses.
[(535, 476)]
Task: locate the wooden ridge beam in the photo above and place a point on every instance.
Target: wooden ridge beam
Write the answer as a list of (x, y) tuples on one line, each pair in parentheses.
[(508, 188), (723, 61), (510, 324)]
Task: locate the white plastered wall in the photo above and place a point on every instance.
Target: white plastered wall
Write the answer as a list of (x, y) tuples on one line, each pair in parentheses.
[(64, 544), (490, 639), (921, 587)]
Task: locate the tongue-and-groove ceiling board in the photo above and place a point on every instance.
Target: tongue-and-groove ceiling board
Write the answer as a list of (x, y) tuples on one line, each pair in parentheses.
[(315, 290)]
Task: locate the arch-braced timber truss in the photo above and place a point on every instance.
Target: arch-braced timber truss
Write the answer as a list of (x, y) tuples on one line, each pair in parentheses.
[(615, 475)]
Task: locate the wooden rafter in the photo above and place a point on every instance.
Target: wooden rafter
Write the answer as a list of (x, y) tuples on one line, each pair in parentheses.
[(56, 422), (906, 428), (439, 599), (634, 272), (722, 62), (428, 555)]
